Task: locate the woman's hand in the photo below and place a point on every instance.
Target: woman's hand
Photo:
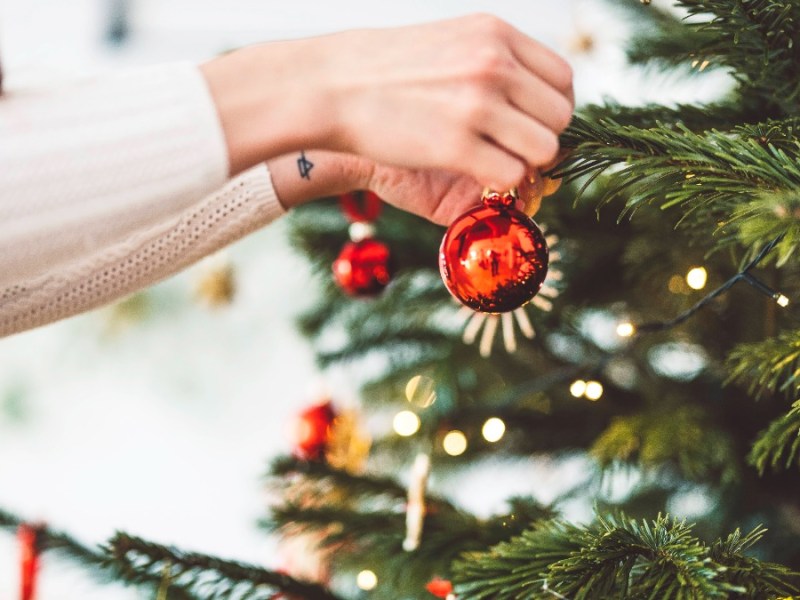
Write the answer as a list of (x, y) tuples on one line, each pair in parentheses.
[(435, 194), (471, 95)]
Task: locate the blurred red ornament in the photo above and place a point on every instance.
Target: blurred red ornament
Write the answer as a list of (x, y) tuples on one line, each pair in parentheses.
[(493, 258), (441, 588), (360, 206), (363, 268), (313, 431), (29, 537)]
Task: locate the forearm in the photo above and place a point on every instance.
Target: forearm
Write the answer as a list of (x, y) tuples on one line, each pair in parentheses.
[(242, 206), (85, 165)]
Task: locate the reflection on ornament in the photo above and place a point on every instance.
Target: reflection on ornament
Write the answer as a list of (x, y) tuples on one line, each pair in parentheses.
[(415, 508), (475, 321)]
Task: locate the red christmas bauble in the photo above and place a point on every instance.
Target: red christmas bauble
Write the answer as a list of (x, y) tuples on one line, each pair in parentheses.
[(493, 258), (361, 206), (363, 267), (441, 588), (313, 431)]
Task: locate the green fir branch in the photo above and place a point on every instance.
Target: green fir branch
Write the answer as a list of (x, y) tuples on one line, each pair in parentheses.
[(683, 437), (94, 561), (205, 576), (758, 577), (320, 472), (617, 557), (697, 118), (778, 446), (709, 175), (661, 37), (756, 40), (768, 367)]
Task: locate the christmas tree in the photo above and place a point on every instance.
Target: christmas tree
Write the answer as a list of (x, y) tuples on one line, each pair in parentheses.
[(661, 357)]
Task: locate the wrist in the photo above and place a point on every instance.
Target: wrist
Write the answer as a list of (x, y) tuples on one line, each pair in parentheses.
[(272, 99), (299, 177)]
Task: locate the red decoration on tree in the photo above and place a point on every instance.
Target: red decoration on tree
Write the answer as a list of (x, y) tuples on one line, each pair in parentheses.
[(363, 268), (493, 258), (441, 588), (313, 431), (30, 542), (361, 206)]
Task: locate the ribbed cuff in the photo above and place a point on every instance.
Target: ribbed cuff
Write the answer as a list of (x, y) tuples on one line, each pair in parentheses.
[(259, 182)]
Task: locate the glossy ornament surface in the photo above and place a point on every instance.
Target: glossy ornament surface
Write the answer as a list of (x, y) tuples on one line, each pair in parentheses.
[(494, 258), (363, 268)]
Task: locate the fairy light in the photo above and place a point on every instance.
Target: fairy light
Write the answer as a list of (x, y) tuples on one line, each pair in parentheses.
[(455, 443), (578, 388), (367, 580), (696, 278), (406, 423), (626, 329), (493, 429), (782, 301), (594, 390)]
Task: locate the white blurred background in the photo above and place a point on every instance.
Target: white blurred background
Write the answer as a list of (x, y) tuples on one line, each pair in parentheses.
[(161, 420)]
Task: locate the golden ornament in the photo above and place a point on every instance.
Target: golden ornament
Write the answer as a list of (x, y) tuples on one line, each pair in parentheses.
[(216, 284), (348, 444)]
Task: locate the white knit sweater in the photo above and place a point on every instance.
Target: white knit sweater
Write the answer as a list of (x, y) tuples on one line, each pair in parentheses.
[(112, 184)]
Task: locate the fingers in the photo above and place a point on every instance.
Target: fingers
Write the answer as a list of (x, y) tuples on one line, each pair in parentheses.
[(534, 97), (543, 62), (532, 141), (494, 167)]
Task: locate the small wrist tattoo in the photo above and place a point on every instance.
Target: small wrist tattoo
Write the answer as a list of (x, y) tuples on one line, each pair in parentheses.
[(304, 166)]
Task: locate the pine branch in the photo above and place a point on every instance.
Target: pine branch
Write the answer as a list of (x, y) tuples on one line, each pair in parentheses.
[(205, 576), (759, 577), (756, 41), (780, 443), (616, 557), (661, 37), (697, 118), (360, 522), (681, 436), (94, 561), (373, 539), (323, 482), (768, 367), (322, 473), (710, 175)]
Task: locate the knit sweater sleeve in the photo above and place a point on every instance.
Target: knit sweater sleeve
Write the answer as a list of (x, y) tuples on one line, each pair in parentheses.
[(110, 185)]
